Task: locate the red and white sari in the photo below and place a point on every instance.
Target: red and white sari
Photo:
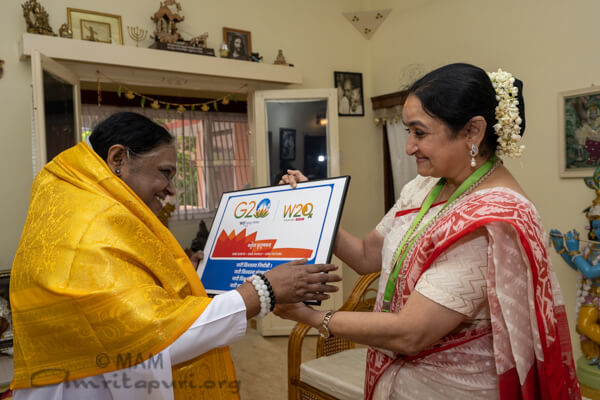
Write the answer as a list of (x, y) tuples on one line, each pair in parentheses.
[(523, 351)]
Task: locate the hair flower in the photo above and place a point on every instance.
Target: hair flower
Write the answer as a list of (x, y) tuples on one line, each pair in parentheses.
[(508, 127)]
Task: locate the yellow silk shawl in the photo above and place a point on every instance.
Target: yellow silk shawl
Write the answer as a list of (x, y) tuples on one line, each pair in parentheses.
[(98, 282)]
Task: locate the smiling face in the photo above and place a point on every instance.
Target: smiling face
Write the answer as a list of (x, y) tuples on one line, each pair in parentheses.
[(150, 175), (430, 140)]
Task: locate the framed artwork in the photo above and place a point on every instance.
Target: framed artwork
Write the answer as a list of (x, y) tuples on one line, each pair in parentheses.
[(239, 43), (350, 93), (287, 144), (95, 26), (579, 132)]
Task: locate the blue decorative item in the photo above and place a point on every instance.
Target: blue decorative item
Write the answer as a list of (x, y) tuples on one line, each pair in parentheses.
[(256, 57), (587, 262)]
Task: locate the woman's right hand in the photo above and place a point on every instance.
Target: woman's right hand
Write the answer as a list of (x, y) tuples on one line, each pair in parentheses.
[(297, 281), (292, 177)]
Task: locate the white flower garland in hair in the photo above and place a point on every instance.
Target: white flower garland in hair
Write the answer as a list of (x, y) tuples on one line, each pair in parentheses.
[(508, 126)]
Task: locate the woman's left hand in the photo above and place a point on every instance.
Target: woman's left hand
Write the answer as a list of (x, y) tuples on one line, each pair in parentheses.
[(298, 312)]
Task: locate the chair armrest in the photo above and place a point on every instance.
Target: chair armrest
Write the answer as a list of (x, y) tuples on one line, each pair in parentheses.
[(358, 291), (295, 355)]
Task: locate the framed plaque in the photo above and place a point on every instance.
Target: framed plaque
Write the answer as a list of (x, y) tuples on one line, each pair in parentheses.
[(255, 230)]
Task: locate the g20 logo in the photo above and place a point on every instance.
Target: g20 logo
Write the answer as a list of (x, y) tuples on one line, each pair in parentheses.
[(298, 210), (252, 209)]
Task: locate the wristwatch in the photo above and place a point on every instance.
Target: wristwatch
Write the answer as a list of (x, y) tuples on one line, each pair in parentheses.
[(324, 329)]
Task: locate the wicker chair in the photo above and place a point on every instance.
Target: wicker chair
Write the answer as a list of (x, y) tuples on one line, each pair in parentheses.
[(362, 298)]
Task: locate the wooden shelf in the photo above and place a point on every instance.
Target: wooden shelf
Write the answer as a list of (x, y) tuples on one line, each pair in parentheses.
[(159, 68)]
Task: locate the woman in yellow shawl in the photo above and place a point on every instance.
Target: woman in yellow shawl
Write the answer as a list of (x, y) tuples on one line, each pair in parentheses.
[(105, 303)]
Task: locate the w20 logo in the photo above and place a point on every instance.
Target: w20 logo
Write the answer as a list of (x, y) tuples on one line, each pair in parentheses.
[(298, 210)]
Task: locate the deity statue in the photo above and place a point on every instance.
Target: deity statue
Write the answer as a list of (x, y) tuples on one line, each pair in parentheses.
[(587, 262), (36, 18), (280, 59)]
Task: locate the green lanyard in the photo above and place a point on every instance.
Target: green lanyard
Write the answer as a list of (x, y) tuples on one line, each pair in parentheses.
[(408, 241)]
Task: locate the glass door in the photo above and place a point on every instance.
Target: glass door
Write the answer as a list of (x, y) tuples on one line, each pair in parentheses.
[(295, 129), (56, 109)]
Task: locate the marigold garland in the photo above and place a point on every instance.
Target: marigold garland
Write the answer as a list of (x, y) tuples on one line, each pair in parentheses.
[(131, 94)]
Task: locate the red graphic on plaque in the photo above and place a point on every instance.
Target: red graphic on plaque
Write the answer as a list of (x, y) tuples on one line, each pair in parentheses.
[(246, 246)]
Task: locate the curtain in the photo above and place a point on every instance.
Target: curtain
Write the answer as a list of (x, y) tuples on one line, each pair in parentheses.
[(212, 154), (403, 166)]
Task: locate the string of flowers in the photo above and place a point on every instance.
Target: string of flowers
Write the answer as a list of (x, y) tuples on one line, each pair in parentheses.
[(156, 103), (508, 127)]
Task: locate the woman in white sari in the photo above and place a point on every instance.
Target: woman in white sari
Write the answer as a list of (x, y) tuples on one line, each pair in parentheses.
[(468, 305)]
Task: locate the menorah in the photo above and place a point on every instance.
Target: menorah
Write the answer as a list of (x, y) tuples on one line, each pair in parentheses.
[(136, 33)]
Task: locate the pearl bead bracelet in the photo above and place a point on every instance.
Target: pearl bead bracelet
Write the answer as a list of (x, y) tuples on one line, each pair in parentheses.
[(265, 293)]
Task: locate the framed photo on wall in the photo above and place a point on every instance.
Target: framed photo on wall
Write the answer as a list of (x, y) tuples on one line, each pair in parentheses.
[(350, 93), (579, 132), (287, 144), (95, 26), (239, 43)]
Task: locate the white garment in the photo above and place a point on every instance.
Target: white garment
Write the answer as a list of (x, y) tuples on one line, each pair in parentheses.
[(222, 323), (455, 280), (344, 105)]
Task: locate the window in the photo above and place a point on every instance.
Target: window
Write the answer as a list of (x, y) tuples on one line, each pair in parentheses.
[(212, 154)]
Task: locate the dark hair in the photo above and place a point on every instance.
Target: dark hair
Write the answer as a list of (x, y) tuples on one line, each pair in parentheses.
[(134, 131), (455, 93)]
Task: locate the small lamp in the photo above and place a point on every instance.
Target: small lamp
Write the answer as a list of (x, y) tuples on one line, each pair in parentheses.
[(321, 119)]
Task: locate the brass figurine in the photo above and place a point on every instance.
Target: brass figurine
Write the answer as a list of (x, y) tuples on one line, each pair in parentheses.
[(65, 32), (136, 33), (200, 41), (36, 18), (280, 60), (166, 19)]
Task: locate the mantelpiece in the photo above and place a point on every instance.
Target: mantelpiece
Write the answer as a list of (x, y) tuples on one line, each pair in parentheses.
[(159, 68)]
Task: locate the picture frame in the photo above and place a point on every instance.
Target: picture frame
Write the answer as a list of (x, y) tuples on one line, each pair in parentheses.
[(95, 26), (350, 93), (287, 144), (579, 132), (239, 43)]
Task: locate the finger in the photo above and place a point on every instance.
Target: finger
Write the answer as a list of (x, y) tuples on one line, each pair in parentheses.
[(333, 278), (292, 181), (316, 296), (313, 268), (323, 288), (321, 279), (301, 261)]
